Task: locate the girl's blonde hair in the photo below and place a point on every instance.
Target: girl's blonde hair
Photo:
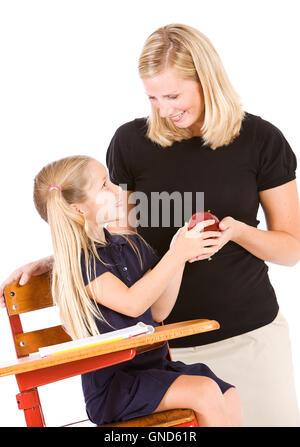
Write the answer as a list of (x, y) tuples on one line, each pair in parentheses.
[(70, 235), (193, 56)]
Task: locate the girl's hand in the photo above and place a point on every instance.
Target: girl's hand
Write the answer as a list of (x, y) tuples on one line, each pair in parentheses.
[(189, 244), (229, 230), (24, 273), (174, 238)]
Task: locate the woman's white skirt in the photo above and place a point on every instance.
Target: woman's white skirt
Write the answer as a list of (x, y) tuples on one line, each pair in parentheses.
[(259, 364)]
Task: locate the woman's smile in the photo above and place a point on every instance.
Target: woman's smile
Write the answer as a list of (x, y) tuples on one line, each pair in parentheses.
[(178, 117)]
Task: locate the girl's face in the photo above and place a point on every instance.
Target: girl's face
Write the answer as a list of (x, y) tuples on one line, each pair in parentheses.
[(180, 100), (104, 199)]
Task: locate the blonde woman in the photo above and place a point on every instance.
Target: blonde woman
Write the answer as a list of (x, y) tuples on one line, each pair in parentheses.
[(198, 138), (104, 281)]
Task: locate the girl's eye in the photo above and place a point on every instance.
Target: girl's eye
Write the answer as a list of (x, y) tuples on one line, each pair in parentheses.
[(173, 97)]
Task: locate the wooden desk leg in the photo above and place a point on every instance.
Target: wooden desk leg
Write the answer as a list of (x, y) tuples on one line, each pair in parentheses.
[(29, 401)]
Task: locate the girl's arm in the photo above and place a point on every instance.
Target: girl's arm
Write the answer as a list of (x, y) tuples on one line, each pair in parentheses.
[(165, 303), (133, 301)]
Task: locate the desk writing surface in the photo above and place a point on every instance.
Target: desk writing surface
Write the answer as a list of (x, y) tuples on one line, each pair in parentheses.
[(161, 333)]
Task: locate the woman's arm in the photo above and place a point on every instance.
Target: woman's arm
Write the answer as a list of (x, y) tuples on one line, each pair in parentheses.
[(279, 244), (24, 273)]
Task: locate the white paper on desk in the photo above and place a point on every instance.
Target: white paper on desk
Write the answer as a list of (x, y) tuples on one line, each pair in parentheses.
[(132, 331)]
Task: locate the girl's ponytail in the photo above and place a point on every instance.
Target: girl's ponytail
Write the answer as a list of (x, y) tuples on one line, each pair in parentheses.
[(77, 310), (69, 237)]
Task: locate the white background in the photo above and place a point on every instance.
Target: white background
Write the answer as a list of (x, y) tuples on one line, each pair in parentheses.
[(69, 78)]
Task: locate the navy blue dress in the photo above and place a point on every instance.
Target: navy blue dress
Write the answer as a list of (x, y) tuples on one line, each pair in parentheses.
[(136, 387)]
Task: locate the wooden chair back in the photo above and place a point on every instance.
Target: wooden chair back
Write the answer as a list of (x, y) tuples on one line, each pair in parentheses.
[(34, 295)]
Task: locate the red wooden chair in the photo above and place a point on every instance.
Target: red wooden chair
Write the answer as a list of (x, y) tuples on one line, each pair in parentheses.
[(32, 371)]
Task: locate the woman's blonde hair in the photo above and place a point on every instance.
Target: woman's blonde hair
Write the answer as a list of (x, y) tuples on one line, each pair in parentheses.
[(70, 235), (193, 56)]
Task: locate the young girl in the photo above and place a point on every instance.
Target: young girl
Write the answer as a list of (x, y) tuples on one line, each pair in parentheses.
[(103, 282)]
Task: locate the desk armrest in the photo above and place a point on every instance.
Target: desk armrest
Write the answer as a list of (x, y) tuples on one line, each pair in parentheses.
[(161, 334)]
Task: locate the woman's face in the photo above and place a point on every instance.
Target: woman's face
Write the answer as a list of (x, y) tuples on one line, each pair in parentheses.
[(177, 99)]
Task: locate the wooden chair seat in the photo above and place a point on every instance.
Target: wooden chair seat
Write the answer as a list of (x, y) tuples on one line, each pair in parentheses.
[(170, 418)]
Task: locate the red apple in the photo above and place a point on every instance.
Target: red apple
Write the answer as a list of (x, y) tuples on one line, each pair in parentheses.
[(200, 216)]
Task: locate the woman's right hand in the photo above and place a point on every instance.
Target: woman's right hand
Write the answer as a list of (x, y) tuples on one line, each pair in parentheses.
[(24, 273), (196, 243)]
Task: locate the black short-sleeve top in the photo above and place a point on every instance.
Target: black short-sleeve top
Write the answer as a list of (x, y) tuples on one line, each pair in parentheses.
[(234, 287)]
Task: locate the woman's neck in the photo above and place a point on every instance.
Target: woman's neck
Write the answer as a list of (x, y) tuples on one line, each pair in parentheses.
[(197, 126)]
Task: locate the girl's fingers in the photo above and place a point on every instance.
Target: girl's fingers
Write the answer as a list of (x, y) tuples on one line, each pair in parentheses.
[(206, 253), (215, 234), (200, 227), (210, 242), (203, 224)]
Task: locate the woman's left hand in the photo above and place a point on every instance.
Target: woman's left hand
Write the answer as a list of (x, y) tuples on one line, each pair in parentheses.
[(230, 228)]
